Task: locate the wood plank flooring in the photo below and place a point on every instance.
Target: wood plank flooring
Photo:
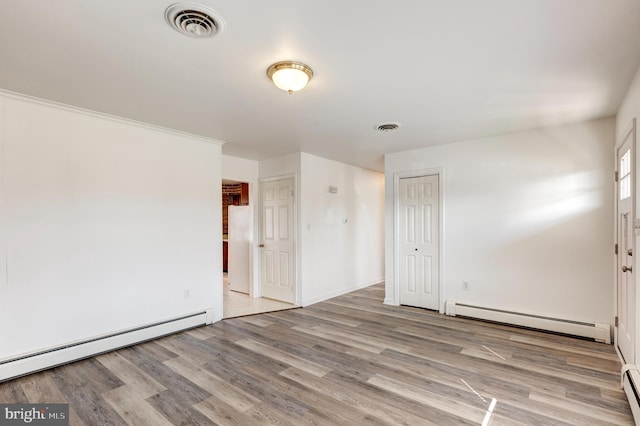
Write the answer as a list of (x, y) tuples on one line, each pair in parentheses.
[(347, 361)]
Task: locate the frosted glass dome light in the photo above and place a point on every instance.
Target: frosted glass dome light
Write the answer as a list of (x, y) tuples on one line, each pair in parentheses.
[(290, 76)]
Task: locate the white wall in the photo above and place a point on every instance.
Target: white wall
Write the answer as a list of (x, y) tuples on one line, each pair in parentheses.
[(339, 257), (240, 169), (288, 165), (243, 170), (528, 220), (333, 258), (104, 224), (629, 110)]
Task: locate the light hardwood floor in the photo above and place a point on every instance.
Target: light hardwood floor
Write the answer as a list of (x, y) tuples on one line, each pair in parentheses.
[(346, 361)]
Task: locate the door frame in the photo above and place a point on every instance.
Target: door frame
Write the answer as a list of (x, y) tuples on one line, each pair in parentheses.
[(297, 290), (630, 131), (439, 171)]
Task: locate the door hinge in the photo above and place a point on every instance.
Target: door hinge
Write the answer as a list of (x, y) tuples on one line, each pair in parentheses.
[(615, 175), (616, 322), (615, 248)]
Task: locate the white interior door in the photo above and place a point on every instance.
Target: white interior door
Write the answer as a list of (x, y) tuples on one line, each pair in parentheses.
[(277, 247), (625, 332), (418, 250)]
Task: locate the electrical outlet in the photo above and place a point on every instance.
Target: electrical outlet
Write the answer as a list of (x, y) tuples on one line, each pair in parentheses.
[(187, 293), (465, 285)]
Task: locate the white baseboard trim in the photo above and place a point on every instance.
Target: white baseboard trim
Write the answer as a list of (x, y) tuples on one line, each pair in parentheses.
[(63, 354), (340, 292), (210, 317)]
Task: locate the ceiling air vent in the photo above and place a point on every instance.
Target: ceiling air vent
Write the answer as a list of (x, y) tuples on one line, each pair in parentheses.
[(388, 127), (194, 20)]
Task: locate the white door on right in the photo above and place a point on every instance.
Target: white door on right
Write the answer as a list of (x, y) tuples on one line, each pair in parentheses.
[(625, 331), (418, 251)]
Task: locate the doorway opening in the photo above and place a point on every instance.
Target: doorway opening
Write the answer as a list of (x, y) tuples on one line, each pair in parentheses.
[(239, 295)]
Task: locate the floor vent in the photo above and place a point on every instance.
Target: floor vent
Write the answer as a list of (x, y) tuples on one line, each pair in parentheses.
[(41, 360), (597, 331)]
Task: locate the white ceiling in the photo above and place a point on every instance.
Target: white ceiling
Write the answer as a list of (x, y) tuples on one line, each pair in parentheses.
[(448, 70)]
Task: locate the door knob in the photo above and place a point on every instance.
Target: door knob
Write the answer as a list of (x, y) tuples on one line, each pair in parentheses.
[(627, 269), (261, 245), (630, 252), (415, 249)]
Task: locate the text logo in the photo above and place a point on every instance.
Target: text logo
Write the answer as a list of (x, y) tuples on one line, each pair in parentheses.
[(34, 414)]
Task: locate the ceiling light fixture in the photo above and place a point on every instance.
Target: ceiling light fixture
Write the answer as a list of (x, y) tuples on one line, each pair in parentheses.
[(289, 75)]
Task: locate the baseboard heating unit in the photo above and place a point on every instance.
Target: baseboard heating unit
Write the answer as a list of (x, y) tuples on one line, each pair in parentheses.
[(597, 331), (32, 362), (630, 384)]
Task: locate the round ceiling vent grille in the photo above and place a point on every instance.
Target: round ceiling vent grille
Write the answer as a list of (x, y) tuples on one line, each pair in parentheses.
[(194, 20), (388, 127)]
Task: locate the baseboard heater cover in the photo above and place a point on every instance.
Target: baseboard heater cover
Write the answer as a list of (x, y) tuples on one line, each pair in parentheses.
[(630, 384), (599, 332), (38, 361)]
